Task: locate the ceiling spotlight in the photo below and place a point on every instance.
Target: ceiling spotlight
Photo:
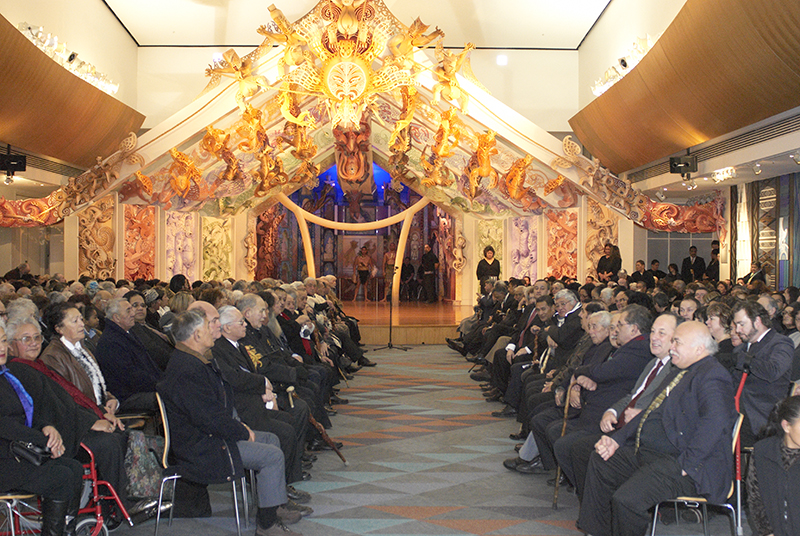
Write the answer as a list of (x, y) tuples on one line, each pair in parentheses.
[(757, 169), (502, 60), (692, 185), (723, 174), (9, 180), (660, 195), (795, 157)]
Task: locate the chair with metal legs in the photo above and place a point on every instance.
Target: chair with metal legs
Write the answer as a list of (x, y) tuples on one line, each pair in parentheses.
[(172, 473)]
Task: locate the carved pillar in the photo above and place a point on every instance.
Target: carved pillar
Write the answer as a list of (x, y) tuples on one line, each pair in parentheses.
[(96, 242)]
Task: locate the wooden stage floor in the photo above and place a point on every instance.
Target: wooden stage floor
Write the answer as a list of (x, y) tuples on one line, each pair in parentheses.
[(413, 322)]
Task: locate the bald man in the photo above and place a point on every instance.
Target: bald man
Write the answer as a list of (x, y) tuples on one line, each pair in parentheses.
[(679, 445)]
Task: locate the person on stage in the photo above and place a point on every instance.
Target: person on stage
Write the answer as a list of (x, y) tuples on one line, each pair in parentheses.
[(363, 266), (429, 267)]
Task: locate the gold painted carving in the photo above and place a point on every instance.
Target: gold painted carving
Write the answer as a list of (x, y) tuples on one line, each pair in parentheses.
[(216, 142), (449, 64), (480, 163), (96, 239), (217, 248), (184, 175), (140, 242), (240, 69)]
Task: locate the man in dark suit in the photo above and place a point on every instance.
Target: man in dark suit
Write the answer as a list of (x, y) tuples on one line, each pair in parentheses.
[(769, 355), (567, 330), (209, 441), (693, 267), (680, 445), (641, 275), (576, 460), (129, 371), (654, 271), (712, 270), (254, 399)]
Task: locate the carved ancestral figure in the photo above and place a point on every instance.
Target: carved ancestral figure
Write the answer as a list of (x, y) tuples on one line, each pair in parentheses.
[(351, 152), (480, 165), (402, 44), (515, 178), (183, 173), (448, 86), (449, 127)]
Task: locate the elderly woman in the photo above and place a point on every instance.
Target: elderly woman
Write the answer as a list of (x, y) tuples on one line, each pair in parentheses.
[(30, 411), (718, 319)]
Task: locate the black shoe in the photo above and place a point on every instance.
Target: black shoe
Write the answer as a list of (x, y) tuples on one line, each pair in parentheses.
[(518, 447), (519, 436), (347, 376), (306, 465), (481, 376), (296, 495), (512, 463), (293, 506), (491, 392), (454, 344), (477, 359), (534, 467), (352, 369), (306, 476), (330, 411), (336, 400), (562, 481), (308, 457), (507, 411), (364, 362), (317, 445), (498, 397)]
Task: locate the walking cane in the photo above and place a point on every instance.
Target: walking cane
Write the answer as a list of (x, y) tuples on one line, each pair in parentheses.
[(563, 431), (290, 391), (738, 453)]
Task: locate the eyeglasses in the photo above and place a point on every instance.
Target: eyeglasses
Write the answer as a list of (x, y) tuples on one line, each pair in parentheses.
[(29, 339), (239, 322)]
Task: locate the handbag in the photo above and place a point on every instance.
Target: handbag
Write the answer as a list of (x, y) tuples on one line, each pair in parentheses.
[(23, 450)]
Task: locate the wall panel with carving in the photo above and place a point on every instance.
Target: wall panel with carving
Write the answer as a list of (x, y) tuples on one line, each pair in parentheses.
[(602, 225), (490, 233), (217, 248), (523, 246), (268, 251), (96, 239), (562, 242), (140, 242), (180, 239)]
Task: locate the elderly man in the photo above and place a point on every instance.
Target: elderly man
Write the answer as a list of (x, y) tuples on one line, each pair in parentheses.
[(679, 445), (158, 345), (565, 333), (576, 460), (130, 372), (254, 399), (211, 444), (768, 355)]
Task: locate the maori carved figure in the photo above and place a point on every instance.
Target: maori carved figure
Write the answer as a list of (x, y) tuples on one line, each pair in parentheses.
[(184, 173), (250, 247), (480, 163), (180, 244), (240, 70), (449, 64), (216, 142), (351, 152), (410, 96), (524, 250), (217, 248), (293, 52), (291, 111), (402, 45), (252, 130), (140, 242), (269, 255), (96, 240), (270, 174), (602, 227), (449, 127), (436, 173), (514, 180), (459, 243), (295, 136), (562, 249), (315, 205)]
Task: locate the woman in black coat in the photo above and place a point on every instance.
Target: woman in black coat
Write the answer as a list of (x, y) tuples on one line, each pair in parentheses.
[(29, 411), (773, 481), (609, 264), (488, 266)]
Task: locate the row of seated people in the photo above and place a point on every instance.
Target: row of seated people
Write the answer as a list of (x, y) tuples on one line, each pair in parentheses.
[(635, 406), (249, 356)]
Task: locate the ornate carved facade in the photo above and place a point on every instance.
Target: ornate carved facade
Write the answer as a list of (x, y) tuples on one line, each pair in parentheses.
[(524, 246), (140, 242), (562, 243), (96, 256), (180, 236), (602, 225), (217, 248)]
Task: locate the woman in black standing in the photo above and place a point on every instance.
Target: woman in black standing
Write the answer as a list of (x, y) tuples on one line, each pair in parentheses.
[(488, 266), (609, 264)]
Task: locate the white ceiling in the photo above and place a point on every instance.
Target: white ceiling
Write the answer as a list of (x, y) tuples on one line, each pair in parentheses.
[(546, 24)]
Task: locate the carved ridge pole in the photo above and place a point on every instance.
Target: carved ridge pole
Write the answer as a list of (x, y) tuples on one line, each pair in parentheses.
[(401, 248)]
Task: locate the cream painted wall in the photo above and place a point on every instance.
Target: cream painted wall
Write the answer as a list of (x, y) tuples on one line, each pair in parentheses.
[(89, 28), (614, 33)]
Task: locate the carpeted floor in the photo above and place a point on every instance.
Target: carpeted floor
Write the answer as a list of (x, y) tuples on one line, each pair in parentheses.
[(425, 458)]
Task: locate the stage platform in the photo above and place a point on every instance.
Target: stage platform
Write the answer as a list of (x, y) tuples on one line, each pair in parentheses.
[(413, 322)]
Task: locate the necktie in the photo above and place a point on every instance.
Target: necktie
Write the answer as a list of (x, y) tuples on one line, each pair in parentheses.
[(647, 382), (656, 403), (24, 398)]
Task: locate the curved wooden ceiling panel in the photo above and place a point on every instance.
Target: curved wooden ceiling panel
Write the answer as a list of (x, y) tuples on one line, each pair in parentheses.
[(720, 66), (49, 111)]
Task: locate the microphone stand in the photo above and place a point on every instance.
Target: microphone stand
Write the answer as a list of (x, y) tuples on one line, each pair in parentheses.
[(389, 344)]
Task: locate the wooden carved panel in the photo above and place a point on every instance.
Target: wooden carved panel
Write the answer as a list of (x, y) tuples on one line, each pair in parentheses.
[(268, 256), (602, 225), (96, 240), (562, 242), (217, 248), (524, 247), (180, 237), (490, 233), (140, 242)]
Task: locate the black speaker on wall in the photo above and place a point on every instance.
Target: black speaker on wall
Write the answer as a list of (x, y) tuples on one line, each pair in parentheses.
[(683, 164)]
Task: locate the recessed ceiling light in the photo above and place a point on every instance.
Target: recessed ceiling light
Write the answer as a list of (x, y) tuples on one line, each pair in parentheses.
[(502, 59)]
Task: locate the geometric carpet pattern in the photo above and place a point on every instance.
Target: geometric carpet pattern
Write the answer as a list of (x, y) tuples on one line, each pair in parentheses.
[(424, 458)]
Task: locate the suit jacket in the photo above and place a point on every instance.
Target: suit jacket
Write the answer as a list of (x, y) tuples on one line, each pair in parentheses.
[(126, 365), (270, 362), (754, 276), (712, 271), (157, 344), (698, 417), (699, 267), (238, 371), (566, 336), (649, 393), (614, 377), (768, 380), (200, 408)]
